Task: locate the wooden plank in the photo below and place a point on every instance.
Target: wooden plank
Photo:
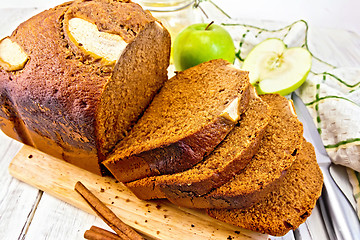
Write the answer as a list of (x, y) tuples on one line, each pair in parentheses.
[(11, 18), (18, 200), (55, 219), (158, 219)]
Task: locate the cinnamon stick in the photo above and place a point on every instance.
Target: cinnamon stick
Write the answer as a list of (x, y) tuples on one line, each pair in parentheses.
[(123, 230), (96, 233), (100, 234)]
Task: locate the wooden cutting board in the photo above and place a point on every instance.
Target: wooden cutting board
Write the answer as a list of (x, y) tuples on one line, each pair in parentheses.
[(156, 219)]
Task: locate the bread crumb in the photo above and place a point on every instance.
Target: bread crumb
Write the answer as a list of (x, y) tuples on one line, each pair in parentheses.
[(102, 190), (127, 200), (157, 232)]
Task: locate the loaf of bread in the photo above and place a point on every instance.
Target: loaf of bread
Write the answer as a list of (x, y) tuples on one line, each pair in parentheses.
[(74, 79), (191, 114), (286, 207), (228, 158)]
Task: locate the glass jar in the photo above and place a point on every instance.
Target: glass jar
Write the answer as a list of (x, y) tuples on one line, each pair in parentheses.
[(174, 14)]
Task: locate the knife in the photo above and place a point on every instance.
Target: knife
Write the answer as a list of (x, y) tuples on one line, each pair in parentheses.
[(343, 221)]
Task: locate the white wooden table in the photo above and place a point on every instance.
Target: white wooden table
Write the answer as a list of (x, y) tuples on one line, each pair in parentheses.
[(28, 213)]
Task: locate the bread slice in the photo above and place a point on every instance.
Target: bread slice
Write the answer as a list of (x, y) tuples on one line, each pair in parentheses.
[(288, 205), (192, 113), (229, 157), (278, 147), (86, 72)]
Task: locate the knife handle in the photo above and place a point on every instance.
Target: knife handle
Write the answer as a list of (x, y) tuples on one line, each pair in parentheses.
[(345, 222)]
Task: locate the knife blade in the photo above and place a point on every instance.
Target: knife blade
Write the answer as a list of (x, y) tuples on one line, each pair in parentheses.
[(341, 178), (343, 219)]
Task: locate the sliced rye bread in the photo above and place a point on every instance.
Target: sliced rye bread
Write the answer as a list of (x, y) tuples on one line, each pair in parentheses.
[(192, 113), (286, 207), (229, 157), (278, 147)]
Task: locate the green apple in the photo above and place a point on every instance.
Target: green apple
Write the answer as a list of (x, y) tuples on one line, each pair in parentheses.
[(274, 68), (201, 43)]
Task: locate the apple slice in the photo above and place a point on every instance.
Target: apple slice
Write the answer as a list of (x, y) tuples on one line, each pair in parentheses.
[(274, 68), (98, 44), (12, 56)]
